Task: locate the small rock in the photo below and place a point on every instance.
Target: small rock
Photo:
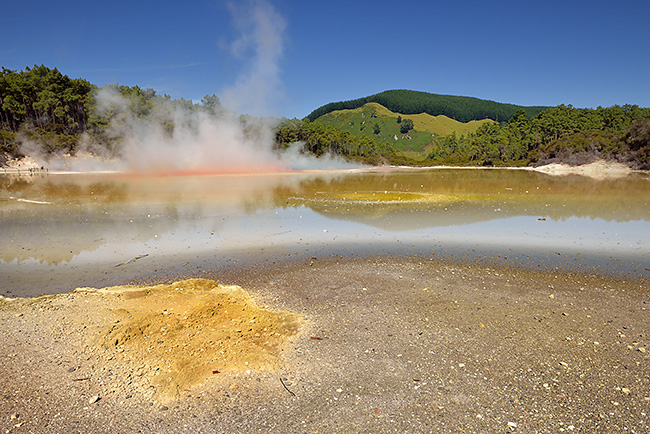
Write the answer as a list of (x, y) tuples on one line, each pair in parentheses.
[(15, 416), (641, 350), (94, 399), (625, 390), (512, 426)]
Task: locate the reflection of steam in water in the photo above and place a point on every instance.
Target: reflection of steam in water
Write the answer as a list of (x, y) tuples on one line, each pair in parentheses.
[(88, 212), (105, 220)]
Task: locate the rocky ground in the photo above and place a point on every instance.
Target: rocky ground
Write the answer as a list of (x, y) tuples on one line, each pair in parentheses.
[(379, 345)]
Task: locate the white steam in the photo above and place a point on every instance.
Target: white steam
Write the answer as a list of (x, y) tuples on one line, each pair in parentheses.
[(175, 138), (261, 45), (200, 141)]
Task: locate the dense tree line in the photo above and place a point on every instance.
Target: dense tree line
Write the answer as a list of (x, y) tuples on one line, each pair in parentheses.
[(44, 97), (42, 105), (318, 139), (42, 100), (558, 134), (46, 107), (460, 108)]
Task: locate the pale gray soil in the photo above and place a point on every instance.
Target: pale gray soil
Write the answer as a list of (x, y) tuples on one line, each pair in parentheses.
[(391, 345)]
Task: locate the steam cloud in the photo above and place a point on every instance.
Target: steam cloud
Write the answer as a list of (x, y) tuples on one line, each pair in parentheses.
[(201, 141), (261, 40)]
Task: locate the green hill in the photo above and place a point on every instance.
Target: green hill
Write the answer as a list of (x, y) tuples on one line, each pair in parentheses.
[(410, 102), (376, 121)]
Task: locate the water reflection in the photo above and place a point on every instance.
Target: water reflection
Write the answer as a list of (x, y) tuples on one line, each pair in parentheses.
[(68, 228), (448, 197)]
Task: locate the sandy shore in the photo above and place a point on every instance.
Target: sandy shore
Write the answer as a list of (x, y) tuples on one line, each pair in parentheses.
[(382, 345), (600, 169), (597, 170)]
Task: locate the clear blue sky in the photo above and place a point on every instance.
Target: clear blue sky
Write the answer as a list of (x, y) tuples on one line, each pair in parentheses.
[(293, 56)]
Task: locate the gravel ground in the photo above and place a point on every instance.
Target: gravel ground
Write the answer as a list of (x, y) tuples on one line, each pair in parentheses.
[(389, 345)]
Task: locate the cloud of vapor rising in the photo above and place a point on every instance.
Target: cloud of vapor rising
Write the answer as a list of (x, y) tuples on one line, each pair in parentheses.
[(205, 142), (222, 142), (177, 138), (200, 141), (261, 45)]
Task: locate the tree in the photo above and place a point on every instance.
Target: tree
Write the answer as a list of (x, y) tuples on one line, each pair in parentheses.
[(637, 139), (212, 103), (406, 126)]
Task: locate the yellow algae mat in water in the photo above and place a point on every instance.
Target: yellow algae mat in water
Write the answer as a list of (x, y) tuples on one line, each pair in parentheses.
[(185, 332)]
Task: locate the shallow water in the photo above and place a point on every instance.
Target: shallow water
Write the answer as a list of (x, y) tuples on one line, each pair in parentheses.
[(60, 232)]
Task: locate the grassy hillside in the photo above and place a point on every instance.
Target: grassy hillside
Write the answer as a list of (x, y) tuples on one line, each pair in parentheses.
[(376, 121), (460, 108)]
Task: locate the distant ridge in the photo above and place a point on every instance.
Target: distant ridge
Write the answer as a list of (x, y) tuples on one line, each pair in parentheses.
[(408, 102)]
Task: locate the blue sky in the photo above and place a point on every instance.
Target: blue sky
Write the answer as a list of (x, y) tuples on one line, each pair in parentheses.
[(288, 57)]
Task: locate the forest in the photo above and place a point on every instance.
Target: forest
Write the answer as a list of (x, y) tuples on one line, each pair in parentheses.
[(43, 106), (410, 102), (561, 134)]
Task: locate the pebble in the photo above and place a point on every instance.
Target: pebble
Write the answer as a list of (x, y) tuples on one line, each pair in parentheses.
[(94, 399)]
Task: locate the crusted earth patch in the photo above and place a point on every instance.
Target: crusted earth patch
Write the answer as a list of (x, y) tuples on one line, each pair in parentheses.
[(170, 338)]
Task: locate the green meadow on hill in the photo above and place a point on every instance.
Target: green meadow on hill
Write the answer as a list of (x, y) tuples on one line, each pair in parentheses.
[(384, 125)]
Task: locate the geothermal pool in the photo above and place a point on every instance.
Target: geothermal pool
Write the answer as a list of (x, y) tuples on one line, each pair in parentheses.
[(63, 231)]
